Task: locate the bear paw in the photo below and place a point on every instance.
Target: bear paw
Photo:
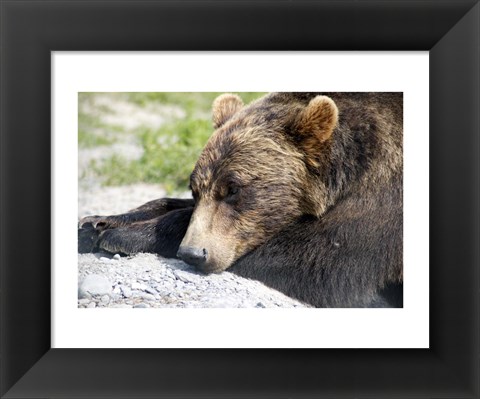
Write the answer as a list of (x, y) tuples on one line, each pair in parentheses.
[(99, 223)]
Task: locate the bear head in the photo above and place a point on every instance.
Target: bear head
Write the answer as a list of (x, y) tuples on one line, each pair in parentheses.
[(260, 170)]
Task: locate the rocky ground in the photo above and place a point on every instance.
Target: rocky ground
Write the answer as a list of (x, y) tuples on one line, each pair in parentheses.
[(148, 280)]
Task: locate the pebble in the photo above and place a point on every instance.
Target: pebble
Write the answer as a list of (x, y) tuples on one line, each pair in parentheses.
[(92, 305), (105, 299), (148, 297), (163, 292), (169, 274), (126, 291), (141, 305), (151, 290), (94, 284), (139, 286), (179, 284), (184, 276), (116, 257)]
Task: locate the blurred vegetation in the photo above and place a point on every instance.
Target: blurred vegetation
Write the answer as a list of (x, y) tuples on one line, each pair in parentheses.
[(169, 151)]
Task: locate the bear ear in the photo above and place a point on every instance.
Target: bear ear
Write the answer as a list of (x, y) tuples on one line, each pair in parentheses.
[(316, 122), (224, 107)]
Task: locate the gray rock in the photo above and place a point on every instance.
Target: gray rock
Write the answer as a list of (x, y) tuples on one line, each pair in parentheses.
[(151, 290), (185, 277), (179, 284), (138, 286), (169, 274), (126, 291), (148, 297), (141, 305), (93, 285), (162, 291), (92, 305), (105, 299)]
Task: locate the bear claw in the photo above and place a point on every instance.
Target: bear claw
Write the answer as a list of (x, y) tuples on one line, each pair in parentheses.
[(96, 222)]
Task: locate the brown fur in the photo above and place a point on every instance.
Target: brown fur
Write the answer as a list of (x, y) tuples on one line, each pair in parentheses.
[(224, 107), (316, 124), (280, 154)]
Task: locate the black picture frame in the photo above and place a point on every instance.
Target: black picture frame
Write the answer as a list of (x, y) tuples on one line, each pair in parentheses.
[(30, 30)]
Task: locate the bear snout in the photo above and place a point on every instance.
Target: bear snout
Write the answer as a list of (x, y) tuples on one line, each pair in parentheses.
[(193, 256)]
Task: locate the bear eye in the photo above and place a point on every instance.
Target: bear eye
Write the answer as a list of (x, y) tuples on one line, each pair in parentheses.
[(232, 194), (232, 191)]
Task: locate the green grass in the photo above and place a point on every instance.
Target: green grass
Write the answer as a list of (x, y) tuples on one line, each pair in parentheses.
[(86, 125), (169, 156), (87, 139), (192, 103), (91, 131), (170, 152)]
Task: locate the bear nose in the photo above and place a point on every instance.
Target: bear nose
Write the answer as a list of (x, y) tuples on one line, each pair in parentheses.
[(193, 256)]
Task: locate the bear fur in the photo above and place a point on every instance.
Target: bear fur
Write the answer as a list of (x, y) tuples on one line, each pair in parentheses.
[(302, 191)]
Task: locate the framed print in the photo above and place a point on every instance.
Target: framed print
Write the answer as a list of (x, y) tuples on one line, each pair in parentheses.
[(52, 51)]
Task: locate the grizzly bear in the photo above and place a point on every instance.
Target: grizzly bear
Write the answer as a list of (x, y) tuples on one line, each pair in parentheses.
[(301, 191)]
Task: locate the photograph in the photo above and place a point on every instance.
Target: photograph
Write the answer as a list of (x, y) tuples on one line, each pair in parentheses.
[(240, 200)]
